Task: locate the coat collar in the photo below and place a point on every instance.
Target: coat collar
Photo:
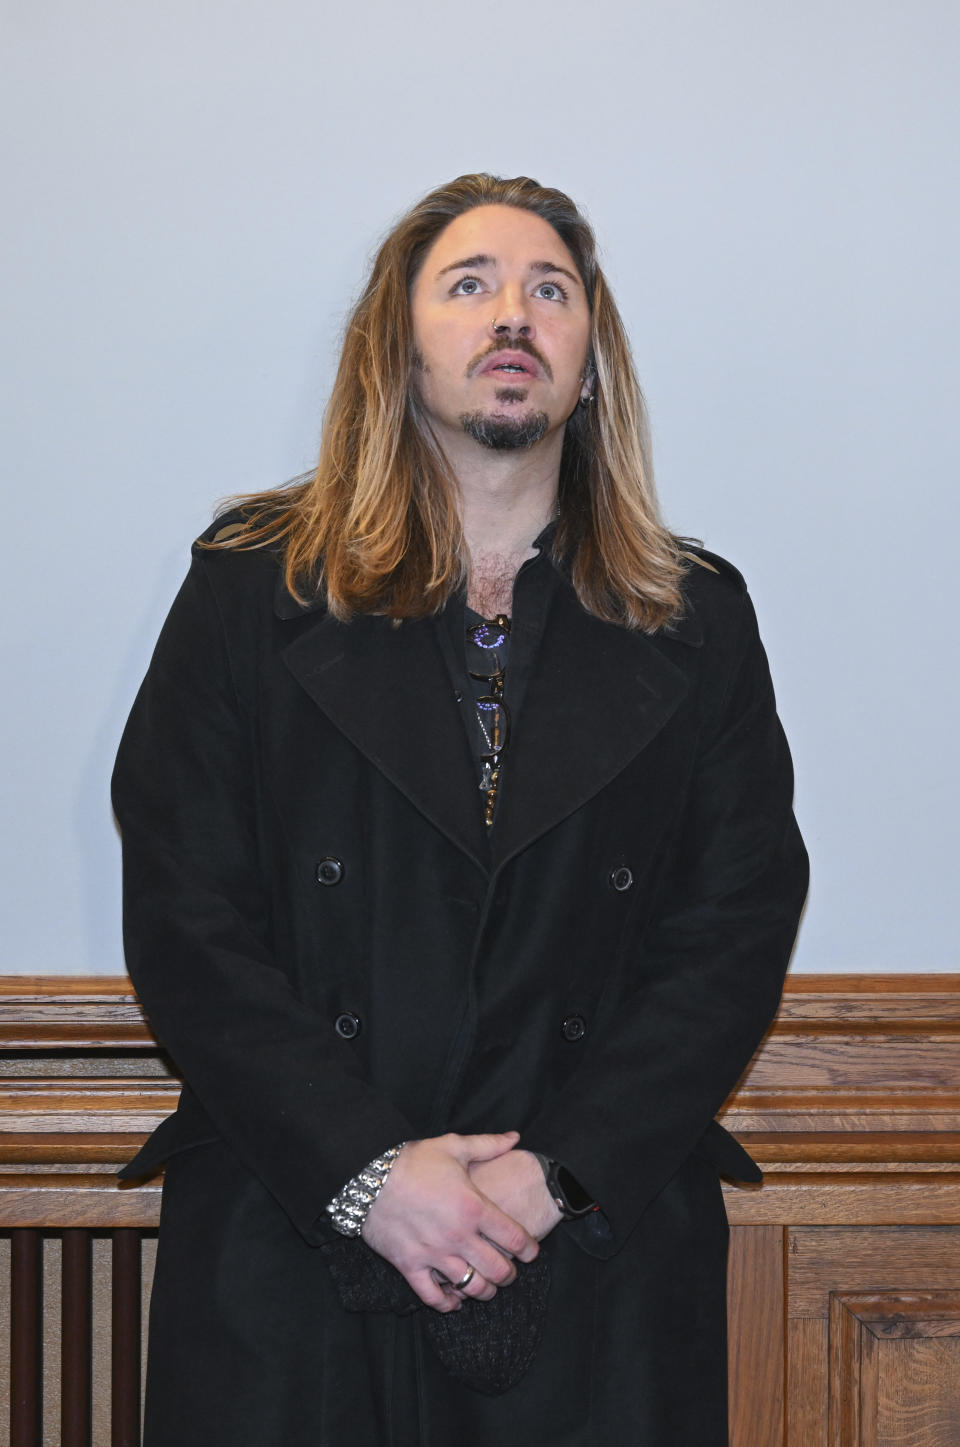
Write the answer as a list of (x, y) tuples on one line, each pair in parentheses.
[(597, 695)]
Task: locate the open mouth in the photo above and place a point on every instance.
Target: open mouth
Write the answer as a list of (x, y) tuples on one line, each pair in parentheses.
[(510, 364)]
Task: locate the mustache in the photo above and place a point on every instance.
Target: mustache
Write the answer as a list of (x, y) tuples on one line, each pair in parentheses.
[(512, 344)]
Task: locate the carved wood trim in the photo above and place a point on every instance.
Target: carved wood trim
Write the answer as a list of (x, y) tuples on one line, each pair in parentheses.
[(51, 1012), (55, 1201), (856, 1052), (851, 1104)]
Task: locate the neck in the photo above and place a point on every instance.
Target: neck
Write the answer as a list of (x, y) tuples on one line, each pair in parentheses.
[(506, 500)]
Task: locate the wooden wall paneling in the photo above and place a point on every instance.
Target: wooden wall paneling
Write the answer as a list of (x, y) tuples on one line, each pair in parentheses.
[(863, 1283), (857, 1259), (850, 1054), (851, 1105), (125, 1339), (756, 1319), (917, 1394), (807, 1343), (78, 1355), (881, 1198), (831, 1273), (82, 1081), (53, 1012), (852, 1372), (76, 1338), (26, 1340), (54, 1200), (895, 1369)]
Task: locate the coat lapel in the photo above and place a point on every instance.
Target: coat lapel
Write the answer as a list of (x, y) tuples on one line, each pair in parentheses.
[(597, 695), (387, 689)]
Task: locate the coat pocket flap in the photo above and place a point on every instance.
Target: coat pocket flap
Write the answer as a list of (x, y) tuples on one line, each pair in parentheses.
[(727, 1155), (185, 1128)]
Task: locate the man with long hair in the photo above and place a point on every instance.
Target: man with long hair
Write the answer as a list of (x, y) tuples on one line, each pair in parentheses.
[(460, 878)]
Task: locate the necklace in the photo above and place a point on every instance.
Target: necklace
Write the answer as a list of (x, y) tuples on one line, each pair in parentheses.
[(485, 641)]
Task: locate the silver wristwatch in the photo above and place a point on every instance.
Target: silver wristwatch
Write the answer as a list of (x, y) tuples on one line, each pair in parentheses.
[(348, 1209)]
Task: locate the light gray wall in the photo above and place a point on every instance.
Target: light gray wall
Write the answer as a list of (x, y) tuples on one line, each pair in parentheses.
[(190, 193)]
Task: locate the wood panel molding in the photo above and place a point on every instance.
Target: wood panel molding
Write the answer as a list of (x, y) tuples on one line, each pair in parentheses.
[(844, 1265), (55, 1012), (857, 1077), (895, 1368), (851, 1104)]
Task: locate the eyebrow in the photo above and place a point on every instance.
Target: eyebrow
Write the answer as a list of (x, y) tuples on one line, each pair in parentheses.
[(482, 259)]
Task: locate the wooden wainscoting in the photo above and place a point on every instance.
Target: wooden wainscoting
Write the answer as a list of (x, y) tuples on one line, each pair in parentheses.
[(844, 1265)]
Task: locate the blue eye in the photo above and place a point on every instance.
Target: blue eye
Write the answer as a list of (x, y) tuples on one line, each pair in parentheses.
[(555, 290), (467, 286)]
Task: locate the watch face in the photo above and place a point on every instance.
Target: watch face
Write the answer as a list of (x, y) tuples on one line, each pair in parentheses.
[(576, 1198)]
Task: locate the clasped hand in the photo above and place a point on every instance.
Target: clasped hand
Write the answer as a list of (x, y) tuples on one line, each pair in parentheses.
[(454, 1202)]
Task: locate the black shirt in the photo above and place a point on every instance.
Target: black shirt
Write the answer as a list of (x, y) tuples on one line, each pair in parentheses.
[(532, 592)]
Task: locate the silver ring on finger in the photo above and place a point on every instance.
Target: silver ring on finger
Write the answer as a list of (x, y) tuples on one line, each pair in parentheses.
[(465, 1279)]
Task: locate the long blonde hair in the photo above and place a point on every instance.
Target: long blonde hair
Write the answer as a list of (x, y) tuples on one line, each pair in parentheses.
[(376, 527)]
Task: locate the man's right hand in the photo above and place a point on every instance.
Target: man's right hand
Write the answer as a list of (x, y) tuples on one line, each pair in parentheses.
[(431, 1222)]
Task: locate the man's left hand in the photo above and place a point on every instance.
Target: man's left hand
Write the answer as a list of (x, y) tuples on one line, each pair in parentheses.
[(515, 1182)]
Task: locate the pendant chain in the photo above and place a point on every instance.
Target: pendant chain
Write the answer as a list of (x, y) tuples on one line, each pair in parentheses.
[(494, 737)]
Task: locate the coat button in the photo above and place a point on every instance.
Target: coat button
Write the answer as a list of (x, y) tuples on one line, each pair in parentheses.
[(347, 1026), (329, 871), (574, 1027), (621, 878)]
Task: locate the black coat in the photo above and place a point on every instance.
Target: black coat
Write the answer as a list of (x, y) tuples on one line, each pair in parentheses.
[(599, 984)]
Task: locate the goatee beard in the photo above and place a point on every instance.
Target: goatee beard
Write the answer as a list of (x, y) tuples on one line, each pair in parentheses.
[(504, 434)]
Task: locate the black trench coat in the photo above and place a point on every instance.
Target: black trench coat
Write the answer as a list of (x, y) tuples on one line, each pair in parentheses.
[(599, 984)]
